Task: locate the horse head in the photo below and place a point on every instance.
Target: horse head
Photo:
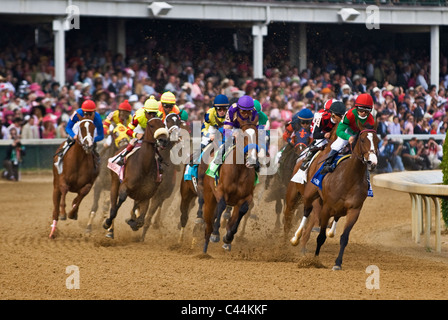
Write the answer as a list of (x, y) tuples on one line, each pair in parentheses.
[(252, 150), (156, 133), (366, 147), (173, 123), (86, 134)]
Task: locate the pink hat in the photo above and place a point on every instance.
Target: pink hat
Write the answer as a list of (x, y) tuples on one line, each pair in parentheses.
[(437, 115)]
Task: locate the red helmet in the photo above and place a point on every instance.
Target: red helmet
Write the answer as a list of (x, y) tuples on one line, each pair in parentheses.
[(88, 106), (328, 104), (125, 106), (364, 101)]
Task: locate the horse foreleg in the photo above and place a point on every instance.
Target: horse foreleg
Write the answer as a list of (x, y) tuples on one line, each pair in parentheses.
[(351, 218), (298, 234), (97, 188), (56, 201), (114, 205), (217, 224), (324, 217), (184, 209), (291, 203), (73, 214), (209, 216), (232, 225)]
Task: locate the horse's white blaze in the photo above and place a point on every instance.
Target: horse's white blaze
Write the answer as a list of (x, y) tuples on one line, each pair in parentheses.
[(372, 156), (252, 158)]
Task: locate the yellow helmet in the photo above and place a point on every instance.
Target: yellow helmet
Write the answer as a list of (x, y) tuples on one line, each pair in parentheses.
[(151, 105), (168, 97)]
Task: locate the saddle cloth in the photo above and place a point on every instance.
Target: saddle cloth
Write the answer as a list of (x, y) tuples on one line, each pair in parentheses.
[(318, 176)]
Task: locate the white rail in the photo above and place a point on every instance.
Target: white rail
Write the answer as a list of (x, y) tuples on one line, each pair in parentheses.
[(422, 187)]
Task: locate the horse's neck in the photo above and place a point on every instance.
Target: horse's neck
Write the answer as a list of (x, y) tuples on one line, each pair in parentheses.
[(148, 156)]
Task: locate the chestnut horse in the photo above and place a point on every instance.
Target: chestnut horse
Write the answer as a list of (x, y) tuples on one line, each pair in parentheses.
[(80, 169), (141, 176), (119, 141), (235, 186), (343, 191), (173, 124), (295, 191)]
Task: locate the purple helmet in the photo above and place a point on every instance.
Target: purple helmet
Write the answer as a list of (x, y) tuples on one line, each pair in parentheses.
[(246, 103)]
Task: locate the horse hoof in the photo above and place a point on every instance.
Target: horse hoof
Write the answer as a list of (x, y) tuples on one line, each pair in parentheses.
[(294, 241), (89, 228), (227, 246), (133, 224), (215, 238), (64, 217), (199, 221), (110, 235), (337, 268), (106, 225)]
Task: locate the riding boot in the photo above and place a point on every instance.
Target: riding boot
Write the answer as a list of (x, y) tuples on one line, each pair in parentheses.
[(122, 155), (328, 165), (194, 160), (61, 153)]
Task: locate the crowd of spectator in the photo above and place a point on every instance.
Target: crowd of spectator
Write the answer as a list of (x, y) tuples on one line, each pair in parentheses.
[(35, 106)]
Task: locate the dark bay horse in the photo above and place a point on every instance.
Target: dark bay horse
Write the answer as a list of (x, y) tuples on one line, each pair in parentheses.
[(102, 184), (343, 191), (173, 124), (278, 183), (78, 175), (141, 175), (235, 187), (192, 189)]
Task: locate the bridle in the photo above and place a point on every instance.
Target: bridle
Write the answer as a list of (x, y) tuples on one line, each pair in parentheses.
[(372, 147), (85, 141)]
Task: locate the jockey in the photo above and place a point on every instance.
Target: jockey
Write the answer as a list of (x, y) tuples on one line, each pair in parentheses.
[(299, 126), (243, 109), (87, 110), (263, 122), (121, 115), (349, 126), (321, 131), (213, 121), (167, 105), (141, 117)]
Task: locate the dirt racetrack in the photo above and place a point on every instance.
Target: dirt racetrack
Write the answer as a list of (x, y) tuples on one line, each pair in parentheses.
[(259, 267)]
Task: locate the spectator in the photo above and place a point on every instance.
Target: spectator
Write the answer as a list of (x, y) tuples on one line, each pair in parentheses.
[(412, 156), (389, 158), (435, 153), (13, 159), (394, 126), (30, 129)]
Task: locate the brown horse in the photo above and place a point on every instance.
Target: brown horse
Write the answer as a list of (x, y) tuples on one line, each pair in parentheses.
[(235, 186), (295, 191), (119, 141), (351, 179), (166, 188), (141, 176), (192, 189), (279, 182), (78, 174)]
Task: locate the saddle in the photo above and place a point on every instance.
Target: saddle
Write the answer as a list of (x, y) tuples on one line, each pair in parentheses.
[(318, 176)]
